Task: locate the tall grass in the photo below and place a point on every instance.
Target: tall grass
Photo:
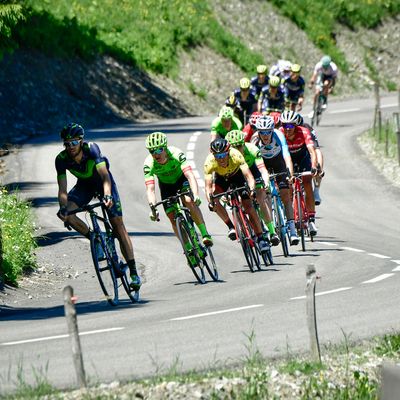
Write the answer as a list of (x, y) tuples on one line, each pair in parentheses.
[(17, 236)]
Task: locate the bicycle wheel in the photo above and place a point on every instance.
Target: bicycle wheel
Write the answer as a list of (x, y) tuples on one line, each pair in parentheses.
[(319, 108), (266, 256), (241, 233), (300, 221), (190, 249), (280, 225), (103, 265), (315, 112), (125, 279), (210, 264)]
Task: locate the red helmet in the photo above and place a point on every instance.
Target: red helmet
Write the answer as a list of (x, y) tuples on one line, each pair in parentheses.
[(253, 118), (276, 116)]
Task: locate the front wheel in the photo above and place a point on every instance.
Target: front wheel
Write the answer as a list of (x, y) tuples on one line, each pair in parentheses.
[(300, 221), (210, 264), (125, 279), (190, 249)]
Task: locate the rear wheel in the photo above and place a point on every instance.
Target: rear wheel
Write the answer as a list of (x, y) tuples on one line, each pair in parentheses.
[(125, 279), (300, 221), (104, 268), (210, 264), (280, 226), (190, 249)]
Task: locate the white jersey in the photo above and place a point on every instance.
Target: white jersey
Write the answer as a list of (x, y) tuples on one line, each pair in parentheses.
[(331, 71), (279, 68)]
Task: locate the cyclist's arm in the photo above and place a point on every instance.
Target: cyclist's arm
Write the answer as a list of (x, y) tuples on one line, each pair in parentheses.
[(62, 191), (289, 164), (208, 186), (264, 172), (248, 176), (313, 155), (192, 181), (313, 78), (151, 192), (105, 177)]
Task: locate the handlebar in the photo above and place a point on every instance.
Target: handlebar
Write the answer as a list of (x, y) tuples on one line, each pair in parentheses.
[(172, 199), (229, 192), (88, 207)]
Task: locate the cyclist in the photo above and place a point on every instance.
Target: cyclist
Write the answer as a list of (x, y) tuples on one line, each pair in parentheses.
[(260, 80), (249, 129), (304, 158), (324, 76), (246, 97), (272, 97), (233, 102), (230, 169), (281, 69), (276, 156), (85, 161), (294, 89), (174, 174), (320, 159), (225, 122), (252, 156)]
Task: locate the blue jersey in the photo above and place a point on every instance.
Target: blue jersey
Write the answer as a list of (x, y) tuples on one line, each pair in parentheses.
[(248, 104), (294, 89), (257, 86), (277, 146), (269, 102)]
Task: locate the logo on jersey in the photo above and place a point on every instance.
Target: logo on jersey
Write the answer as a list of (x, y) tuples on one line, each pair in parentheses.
[(146, 170), (181, 158)]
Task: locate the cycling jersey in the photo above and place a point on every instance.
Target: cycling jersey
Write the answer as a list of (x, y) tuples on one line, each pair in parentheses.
[(298, 145), (252, 155), (218, 128), (281, 69), (313, 134), (247, 104), (257, 86), (169, 172), (235, 161), (294, 89), (269, 103), (276, 146), (248, 132), (330, 72)]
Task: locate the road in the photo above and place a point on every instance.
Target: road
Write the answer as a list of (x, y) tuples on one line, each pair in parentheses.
[(180, 324)]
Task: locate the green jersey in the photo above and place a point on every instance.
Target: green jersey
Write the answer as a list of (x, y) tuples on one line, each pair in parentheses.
[(251, 154), (169, 172), (217, 127)]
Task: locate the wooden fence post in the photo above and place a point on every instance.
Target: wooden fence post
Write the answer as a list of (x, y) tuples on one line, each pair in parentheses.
[(70, 313), (378, 114), (390, 382), (397, 127), (311, 314)]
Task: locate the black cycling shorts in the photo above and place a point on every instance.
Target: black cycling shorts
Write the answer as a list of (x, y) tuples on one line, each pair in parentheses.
[(171, 189), (277, 165), (236, 180)]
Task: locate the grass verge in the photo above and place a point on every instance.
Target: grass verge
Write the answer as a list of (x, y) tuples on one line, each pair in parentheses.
[(17, 236)]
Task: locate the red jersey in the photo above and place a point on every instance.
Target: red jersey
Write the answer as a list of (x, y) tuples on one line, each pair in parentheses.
[(248, 132), (298, 146)]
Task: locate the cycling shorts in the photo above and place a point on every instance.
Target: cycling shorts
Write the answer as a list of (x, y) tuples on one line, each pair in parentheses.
[(303, 165), (236, 180), (277, 165), (171, 189), (322, 78), (82, 193), (292, 97)]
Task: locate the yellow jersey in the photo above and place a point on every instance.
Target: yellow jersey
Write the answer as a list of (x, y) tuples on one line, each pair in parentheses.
[(235, 161)]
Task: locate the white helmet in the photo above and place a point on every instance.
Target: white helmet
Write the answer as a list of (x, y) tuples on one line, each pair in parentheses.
[(265, 123), (289, 117)]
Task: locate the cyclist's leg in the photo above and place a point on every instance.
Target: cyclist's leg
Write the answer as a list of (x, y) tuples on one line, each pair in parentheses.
[(318, 178)]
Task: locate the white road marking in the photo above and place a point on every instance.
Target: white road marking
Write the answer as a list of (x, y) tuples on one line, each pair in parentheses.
[(344, 111), (328, 243), (189, 155), (193, 138), (353, 249), (395, 261), (198, 133), (389, 105), (377, 255), (397, 269), (42, 339), (379, 278), (216, 312), (190, 146), (324, 293)]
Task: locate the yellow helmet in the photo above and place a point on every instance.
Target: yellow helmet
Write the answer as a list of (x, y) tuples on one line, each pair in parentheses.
[(295, 68), (261, 69), (274, 81), (244, 83)]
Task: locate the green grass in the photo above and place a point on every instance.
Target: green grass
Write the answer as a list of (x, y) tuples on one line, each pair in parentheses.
[(17, 236), (320, 18), (388, 345)]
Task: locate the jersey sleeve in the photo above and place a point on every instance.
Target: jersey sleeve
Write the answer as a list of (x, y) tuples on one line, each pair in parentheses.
[(209, 166), (255, 151), (307, 137), (95, 154), (215, 125), (238, 123), (180, 156), (149, 176), (60, 166)]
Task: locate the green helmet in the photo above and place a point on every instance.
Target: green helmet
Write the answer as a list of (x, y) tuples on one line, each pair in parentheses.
[(226, 112), (274, 81), (235, 137), (156, 140), (325, 61)]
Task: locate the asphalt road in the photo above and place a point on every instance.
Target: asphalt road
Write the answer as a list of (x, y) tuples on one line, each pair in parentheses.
[(180, 324)]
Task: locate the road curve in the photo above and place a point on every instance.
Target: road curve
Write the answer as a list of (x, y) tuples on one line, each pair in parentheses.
[(190, 326)]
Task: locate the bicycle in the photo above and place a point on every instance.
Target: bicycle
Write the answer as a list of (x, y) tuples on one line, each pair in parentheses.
[(318, 109), (244, 232), (108, 266), (196, 253), (279, 214), (299, 207)]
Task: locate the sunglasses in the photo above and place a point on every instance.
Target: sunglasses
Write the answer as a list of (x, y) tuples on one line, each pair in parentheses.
[(220, 155), (266, 132), (288, 126), (72, 143), (157, 151)]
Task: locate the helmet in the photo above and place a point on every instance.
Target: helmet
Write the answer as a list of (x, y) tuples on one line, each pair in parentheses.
[(285, 65), (254, 117), (261, 69), (325, 61), (295, 68), (289, 117), (235, 137), (226, 112), (156, 140), (219, 145), (274, 81), (72, 130), (299, 119), (244, 83), (265, 123), (231, 101)]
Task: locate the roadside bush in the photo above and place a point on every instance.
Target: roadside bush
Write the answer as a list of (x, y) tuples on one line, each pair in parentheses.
[(10, 15), (17, 230)]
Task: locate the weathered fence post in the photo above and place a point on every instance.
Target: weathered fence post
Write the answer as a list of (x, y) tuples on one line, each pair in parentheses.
[(390, 382), (378, 114), (311, 314), (397, 127), (70, 313), (387, 127)]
